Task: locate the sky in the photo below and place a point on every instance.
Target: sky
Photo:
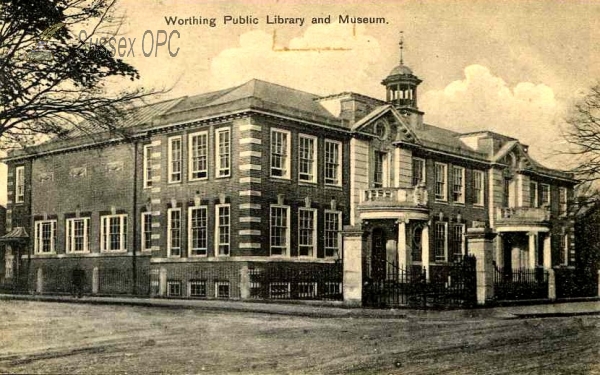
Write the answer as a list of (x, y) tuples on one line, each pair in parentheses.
[(514, 67)]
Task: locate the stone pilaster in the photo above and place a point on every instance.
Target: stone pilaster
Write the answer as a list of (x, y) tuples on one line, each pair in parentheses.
[(481, 245), (250, 229), (352, 278)]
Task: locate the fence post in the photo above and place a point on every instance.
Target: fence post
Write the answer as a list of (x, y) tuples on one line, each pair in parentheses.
[(551, 285), (162, 283), (95, 280), (244, 282), (352, 263), (480, 241), (39, 286), (598, 283)]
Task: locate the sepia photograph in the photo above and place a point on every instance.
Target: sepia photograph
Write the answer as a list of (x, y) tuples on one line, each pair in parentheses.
[(286, 187)]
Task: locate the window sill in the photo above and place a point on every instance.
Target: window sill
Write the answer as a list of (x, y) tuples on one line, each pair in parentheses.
[(335, 187), (307, 183), (204, 179)]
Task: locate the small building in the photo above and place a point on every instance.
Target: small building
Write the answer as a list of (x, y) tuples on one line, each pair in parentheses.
[(210, 193)]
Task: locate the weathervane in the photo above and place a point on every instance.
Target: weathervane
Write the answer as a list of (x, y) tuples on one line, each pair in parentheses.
[(401, 46)]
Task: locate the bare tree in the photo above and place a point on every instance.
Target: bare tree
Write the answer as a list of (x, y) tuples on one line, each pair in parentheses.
[(583, 137), (51, 81)]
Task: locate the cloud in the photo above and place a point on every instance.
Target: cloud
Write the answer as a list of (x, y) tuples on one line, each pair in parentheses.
[(482, 100), (324, 60)]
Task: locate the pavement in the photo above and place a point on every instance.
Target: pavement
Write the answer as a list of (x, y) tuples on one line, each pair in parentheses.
[(321, 309)]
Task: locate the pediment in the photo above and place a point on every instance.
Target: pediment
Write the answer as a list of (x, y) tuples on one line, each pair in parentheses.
[(385, 123), (514, 155)]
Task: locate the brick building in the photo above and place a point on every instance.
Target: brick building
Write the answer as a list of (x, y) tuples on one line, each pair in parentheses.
[(207, 188)]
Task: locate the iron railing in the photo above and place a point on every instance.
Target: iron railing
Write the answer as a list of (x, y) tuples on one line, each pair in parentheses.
[(310, 281), (575, 283), (520, 284), (452, 285)]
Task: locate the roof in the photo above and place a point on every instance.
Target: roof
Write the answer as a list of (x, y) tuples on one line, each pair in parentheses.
[(266, 95), (17, 234), (401, 70), (134, 117)]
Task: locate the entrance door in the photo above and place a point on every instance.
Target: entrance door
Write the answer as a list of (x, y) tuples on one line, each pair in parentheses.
[(378, 255)]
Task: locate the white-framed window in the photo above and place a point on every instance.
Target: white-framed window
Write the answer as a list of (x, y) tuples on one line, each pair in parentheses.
[(307, 289), (457, 244), (333, 163), (77, 235), (197, 288), (223, 152), (280, 290), (223, 229), (441, 241), (45, 236), (222, 289), (147, 167), (19, 184), (379, 169), (146, 231), (198, 156), (562, 196), (441, 176), (533, 194), (280, 230), (197, 231), (113, 233), (280, 153), (307, 232), (307, 158), (418, 171), (545, 195), (174, 232), (333, 229), (175, 158), (174, 288), (458, 184), (478, 188)]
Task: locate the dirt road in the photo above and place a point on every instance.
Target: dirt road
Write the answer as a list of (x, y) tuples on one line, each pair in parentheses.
[(61, 338)]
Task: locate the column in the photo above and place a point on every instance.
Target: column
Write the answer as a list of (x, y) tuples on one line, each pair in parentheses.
[(547, 251), (404, 258), (532, 261), (425, 250), (481, 246), (499, 250), (352, 255)]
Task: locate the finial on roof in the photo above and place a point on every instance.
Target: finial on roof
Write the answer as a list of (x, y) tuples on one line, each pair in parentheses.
[(401, 47)]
